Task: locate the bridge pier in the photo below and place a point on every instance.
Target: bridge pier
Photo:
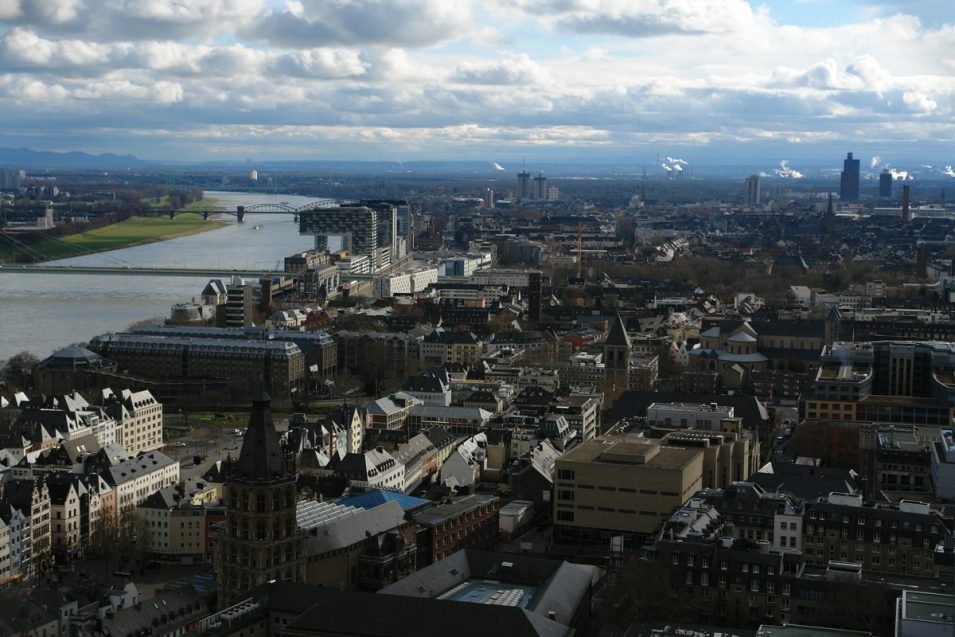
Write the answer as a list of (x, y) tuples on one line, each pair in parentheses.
[(205, 215), (172, 214), (240, 213)]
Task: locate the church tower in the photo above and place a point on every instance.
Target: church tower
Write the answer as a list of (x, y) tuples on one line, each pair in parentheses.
[(617, 351), (262, 540)]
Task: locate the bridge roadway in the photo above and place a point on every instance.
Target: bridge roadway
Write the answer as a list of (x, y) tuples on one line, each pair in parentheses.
[(176, 272)]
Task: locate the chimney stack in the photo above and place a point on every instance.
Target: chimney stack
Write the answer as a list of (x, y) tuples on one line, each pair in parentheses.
[(905, 203)]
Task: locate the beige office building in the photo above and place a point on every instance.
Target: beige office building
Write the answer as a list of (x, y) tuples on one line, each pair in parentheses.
[(621, 487)]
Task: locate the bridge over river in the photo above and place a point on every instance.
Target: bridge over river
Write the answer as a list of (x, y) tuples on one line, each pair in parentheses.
[(258, 209)]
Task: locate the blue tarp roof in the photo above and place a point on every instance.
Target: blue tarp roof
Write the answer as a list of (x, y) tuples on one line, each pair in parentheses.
[(371, 499)]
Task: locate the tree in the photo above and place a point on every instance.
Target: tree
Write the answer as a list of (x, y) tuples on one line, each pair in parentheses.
[(641, 590), (17, 371)]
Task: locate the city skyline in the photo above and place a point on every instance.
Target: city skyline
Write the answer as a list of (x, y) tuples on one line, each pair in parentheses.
[(724, 80)]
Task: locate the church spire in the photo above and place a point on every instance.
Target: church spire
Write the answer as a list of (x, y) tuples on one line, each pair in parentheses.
[(262, 458)]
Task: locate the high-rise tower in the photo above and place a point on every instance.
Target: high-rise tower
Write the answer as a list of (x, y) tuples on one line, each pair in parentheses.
[(752, 190), (885, 183), (523, 190), (262, 540), (849, 182)]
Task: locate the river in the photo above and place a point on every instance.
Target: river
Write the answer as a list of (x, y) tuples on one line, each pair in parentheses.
[(41, 313)]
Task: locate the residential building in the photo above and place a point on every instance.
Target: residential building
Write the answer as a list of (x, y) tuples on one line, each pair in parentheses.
[(139, 416), (374, 469), (457, 420), (136, 478), (898, 539), (469, 521)]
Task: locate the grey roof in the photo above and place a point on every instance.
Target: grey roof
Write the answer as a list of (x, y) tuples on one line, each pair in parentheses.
[(132, 468), (438, 411), (634, 403), (348, 530), (168, 609), (71, 358), (561, 586), (444, 512)]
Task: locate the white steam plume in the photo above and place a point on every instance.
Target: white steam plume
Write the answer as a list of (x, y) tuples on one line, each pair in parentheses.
[(949, 171), (674, 165), (899, 175), (497, 166), (875, 162), (786, 172)]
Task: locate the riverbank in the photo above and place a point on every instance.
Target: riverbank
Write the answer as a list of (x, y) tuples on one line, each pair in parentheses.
[(130, 232)]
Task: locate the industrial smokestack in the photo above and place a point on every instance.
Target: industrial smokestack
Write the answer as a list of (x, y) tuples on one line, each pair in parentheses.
[(905, 203)]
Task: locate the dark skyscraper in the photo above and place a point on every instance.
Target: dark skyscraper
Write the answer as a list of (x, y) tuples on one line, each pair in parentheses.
[(885, 183), (523, 190), (849, 185)]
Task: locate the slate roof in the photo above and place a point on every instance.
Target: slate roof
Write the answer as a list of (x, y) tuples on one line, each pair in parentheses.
[(374, 615), (618, 334), (805, 481), (261, 458), (127, 470), (71, 358)]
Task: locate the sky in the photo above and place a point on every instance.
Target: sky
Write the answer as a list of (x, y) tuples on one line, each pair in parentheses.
[(709, 81)]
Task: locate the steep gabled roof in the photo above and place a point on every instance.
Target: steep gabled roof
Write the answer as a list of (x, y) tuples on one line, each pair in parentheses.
[(262, 458), (618, 334)]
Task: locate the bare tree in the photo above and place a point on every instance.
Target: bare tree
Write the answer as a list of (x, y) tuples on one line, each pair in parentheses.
[(17, 371)]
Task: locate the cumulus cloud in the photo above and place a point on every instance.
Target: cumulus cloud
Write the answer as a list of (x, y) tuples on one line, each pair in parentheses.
[(919, 102), (641, 18), (9, 9), (132, 19), (510, 70), (306, 23), (392, 70)]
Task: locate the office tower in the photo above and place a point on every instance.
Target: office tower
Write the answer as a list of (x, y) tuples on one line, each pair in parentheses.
[(540, 187), (885, 183), (523, 190), (849, 183), (752, 190), (9, 180)]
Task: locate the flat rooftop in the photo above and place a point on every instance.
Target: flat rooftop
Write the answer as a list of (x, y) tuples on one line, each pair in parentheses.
[(929, 607), (795, 630), (664, 457)]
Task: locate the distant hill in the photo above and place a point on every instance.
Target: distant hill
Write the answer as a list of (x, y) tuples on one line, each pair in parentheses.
[(27, 158)]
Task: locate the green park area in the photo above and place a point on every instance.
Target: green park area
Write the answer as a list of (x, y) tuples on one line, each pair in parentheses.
[(132, 231)]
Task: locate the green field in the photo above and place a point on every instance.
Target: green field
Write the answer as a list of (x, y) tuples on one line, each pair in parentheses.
[(133, 231)]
